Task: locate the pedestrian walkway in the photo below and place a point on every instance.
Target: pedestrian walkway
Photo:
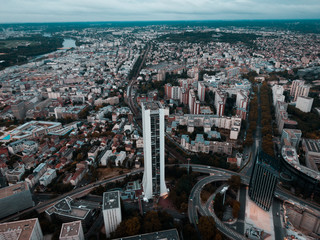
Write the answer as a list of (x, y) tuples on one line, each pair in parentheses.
[(258, 218)]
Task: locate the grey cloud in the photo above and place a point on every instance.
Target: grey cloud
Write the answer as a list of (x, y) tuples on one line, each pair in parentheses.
[(117, 10)]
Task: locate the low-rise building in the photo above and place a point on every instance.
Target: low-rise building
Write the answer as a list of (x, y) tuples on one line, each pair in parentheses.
[(201, 145), (47, 177), (14, 176), (119, 157), (32, 129), (77, 176), (26, 146), (69, 112), (33, 178), (68, 210), (93, 151)]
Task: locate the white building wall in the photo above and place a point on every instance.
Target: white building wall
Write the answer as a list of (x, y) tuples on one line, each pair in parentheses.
[(54, 95), (304, 104), (112, 218), (37, 232), (163, 188), (147, 175), (234, 132)]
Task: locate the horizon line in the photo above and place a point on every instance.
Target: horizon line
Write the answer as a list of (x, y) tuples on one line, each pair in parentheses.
[(145, 21)]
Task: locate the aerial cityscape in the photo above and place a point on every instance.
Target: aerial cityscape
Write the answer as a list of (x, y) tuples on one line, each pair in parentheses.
[(190, 124)]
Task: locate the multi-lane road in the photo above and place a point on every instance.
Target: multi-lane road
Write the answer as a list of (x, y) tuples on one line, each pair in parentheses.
[(72, 193)]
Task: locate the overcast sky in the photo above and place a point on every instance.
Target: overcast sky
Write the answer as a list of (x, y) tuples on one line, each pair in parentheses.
[(131, 10)]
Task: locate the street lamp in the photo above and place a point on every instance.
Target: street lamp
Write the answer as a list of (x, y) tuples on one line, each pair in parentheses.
[(223, 191), (188, 160)]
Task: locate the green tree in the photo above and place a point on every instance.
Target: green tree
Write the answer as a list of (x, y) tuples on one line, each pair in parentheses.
[(235, 208), (151, 222), (132, 226), (189, 232), (234, 181), (218, 205), (207, 227)]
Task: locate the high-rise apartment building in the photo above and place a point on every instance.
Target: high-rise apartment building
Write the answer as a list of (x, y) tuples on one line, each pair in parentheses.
[(29, 229), (192, 100), (304, 104), (172, 92), (111, 211), (277, 94), (19, 110), (201, 91), (295, 85), (153, 146), (298, 89), (220, 102), (72, 231), (263, 180), (301, 91)]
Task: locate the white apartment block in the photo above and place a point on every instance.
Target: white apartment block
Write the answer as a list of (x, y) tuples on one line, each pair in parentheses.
[(153, 124), (72, 231), (277, 94), (29, 229), (111, 209), (304, 104)]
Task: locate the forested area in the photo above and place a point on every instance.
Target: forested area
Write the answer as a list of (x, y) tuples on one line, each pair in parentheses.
[(266, 119), (211, 36), (19, 54)]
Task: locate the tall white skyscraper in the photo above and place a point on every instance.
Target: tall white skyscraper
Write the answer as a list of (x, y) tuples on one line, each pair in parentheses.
[(153, 124)]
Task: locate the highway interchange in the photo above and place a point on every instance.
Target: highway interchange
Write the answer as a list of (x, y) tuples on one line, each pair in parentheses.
[(221, 175)]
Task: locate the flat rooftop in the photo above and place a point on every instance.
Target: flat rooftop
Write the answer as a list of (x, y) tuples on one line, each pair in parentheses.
[(152, 105), (13, 189), (111, 200), (171, 234), (308, 98), (289, 154), (68, 207), (313, 145), (293, 133), (19, 230), (70, 229)]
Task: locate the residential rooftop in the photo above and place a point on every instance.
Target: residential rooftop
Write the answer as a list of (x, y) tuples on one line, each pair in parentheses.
[(70, 229), (13, 189), (171, 234), (152, 105), (19, 230), (111, 200)]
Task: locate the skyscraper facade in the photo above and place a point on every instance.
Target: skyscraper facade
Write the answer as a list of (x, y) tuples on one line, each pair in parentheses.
[(153, 146), (263, 180), (111, 210), (18, 110)]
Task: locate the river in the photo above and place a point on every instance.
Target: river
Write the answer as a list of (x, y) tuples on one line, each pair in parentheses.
[(67, 43)]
